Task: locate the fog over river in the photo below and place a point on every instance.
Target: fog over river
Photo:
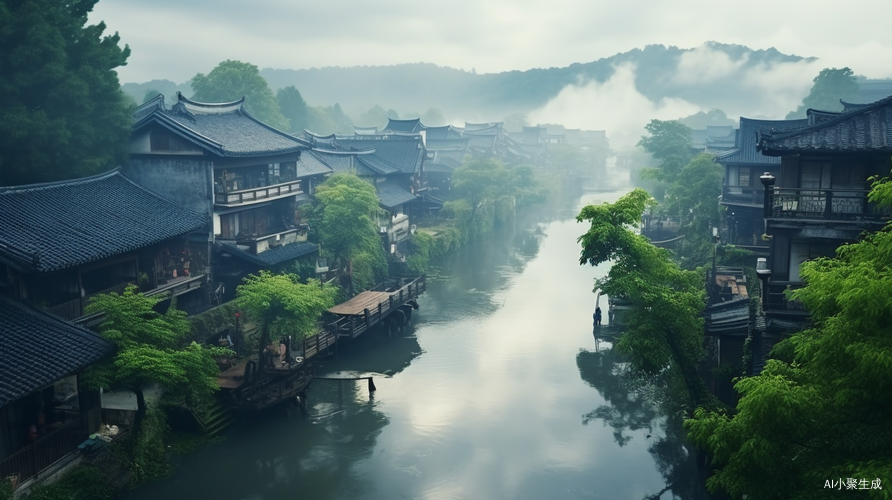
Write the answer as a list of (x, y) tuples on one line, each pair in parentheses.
[(496, 391)]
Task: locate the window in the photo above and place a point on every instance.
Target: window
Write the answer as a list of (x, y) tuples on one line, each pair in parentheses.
[(744, 177), (166, 141)]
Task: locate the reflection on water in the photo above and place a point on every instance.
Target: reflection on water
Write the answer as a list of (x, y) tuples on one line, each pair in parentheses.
[(480, 398)]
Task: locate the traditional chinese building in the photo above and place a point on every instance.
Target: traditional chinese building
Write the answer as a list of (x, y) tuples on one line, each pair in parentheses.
[(742, 193), (818, 201), (45, 413), (63, 242), (217, 159)]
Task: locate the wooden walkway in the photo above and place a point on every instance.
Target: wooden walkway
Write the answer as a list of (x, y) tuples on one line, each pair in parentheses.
[(350, 319), (346, 320)]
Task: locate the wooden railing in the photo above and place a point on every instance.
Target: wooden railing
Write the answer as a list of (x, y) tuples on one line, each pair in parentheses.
[(826, 204), (260, 193), (43, 452), (740, 195), (74, 309), (352, 326), (778, 299)]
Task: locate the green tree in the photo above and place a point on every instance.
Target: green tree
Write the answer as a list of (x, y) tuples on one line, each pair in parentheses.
[(149, 95), (433, 117), (829, 87), (669, 143), (693, 196), (377, 117), (664, 328), (320, 122), (820, 409), (478, 180), (345, 214), (293, 108), (232, 80), (63, 114), (702, 119), (150, 350), (343, 123), (283, 306)]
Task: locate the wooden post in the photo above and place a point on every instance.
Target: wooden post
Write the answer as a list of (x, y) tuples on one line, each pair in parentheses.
[(372, 387)]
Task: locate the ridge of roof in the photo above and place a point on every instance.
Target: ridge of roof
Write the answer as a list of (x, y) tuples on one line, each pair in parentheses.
[(771, 135)]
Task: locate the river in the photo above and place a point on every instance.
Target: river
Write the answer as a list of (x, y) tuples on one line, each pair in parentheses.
[(497, 390)]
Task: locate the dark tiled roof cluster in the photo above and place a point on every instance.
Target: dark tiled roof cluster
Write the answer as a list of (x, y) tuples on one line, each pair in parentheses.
[(444, 132), (404, 153), (868, 129), (223, 129), (392, 194), (53, 226), (309, 165), (745, 151), (413, 125), (275, 255), (343, 163), (37, 349)]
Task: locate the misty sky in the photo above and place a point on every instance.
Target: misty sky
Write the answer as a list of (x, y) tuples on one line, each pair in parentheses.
[(175, 40)]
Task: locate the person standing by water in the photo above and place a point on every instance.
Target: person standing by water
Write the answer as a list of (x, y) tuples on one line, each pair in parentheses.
[(597, 316)]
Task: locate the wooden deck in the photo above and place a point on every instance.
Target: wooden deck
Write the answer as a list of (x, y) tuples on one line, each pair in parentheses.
[(345, 320), (357, 305)]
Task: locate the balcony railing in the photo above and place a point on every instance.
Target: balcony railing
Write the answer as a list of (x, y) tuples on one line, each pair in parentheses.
[(825, 204), (74, 309), (43, 452), (739, 195), (778, 299), (280, 237), (260, 193)]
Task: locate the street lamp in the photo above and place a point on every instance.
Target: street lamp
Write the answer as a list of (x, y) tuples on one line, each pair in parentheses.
[(767, 180), (764, 273)]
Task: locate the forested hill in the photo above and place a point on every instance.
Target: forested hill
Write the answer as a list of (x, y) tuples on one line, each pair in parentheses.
[(417, 87)]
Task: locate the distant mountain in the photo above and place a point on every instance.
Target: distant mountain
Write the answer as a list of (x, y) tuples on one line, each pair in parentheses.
[(421, 86), (714, 75)]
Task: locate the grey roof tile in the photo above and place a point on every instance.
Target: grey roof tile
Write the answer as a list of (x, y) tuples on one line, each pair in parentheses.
[(59, 225), (224, 129), (36, 349)]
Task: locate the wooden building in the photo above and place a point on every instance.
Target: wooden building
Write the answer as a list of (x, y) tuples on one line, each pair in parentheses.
[(45, 413), (216, 159), (818, 201), (63, 242), (742, 193)]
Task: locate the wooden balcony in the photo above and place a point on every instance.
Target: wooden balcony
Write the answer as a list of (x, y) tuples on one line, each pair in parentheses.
[(253, 195), (825, 204), (262, 243), (779, 300), (743, 196)]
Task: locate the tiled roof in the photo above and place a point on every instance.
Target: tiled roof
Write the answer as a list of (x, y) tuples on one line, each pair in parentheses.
[(376, 164), (59, 225), (309, 165), (413, 125), (275, 255), (444, 132), (223, 129), (868, 129), (341, 163), (404, 153), (437, 166), (392, 194), (745, 151), (447, 144), (365, 130), (37, 349), (481, 126)]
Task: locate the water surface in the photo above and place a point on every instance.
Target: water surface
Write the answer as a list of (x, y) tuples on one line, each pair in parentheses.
[(496, 391)]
